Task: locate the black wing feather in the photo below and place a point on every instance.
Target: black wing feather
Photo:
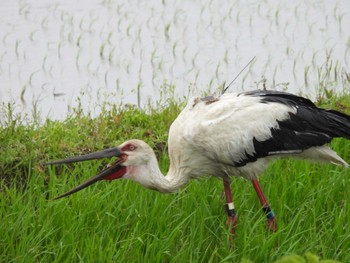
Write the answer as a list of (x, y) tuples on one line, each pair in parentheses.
[(310, 126)]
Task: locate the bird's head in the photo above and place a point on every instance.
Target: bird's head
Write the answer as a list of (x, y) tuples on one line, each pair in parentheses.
[(137, 153), (132, 158)]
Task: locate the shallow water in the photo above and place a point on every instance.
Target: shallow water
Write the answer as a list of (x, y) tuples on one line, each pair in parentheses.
[(53, 52)]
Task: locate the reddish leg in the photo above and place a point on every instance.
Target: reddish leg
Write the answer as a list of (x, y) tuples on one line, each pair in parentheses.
[(271, 219), (229, 207)]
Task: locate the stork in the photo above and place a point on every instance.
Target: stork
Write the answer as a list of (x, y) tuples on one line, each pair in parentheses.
[(236, 134)]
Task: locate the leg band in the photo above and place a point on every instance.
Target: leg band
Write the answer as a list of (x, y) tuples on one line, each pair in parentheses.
[(268, 212), (230, 209)]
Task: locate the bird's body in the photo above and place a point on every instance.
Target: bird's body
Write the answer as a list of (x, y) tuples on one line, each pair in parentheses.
[(236, 134)]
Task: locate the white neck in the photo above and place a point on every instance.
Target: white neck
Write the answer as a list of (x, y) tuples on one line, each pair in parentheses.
[(171, 182), (151, 177)]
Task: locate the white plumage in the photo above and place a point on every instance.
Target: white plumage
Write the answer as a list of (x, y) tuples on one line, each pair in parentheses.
[(210, 135)]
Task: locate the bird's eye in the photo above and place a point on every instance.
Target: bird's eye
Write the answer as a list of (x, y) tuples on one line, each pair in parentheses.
[(129, 147), (132, 147)]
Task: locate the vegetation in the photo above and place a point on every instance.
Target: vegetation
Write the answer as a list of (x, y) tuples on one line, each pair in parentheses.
[(120, 221)]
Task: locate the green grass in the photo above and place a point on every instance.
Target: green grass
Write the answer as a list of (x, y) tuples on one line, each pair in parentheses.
[(120, 221)]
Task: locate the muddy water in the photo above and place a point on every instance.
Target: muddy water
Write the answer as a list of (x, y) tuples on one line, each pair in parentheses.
[(53, 52)]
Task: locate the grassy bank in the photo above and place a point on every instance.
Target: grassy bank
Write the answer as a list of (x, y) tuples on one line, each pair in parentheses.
[(122, 222)]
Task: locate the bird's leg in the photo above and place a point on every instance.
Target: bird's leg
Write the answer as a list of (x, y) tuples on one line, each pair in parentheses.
[(271, 219), (229, 207)]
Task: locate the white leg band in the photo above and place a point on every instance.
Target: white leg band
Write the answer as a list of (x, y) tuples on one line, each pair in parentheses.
[(230, 206)]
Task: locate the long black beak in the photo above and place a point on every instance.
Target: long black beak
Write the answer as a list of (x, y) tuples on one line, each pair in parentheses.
[(108, 153), (113, 172)]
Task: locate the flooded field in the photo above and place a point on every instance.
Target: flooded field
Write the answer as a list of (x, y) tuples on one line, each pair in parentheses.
[(52, 52)]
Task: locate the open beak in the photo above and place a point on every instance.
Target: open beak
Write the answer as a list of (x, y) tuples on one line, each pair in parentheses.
[(115, 171)]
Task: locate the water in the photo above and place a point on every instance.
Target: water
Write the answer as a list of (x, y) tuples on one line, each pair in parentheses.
[(130, 53)]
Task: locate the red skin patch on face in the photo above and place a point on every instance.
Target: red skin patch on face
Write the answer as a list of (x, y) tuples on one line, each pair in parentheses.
[(116, 175), (129, 147)]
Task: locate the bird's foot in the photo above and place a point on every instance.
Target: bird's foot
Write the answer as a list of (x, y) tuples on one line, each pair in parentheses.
[(272, 224), (232, 224), (271, 219)]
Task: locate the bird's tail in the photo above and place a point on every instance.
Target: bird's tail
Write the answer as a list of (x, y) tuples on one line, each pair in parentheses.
[(322, 154), (335, 124), (338, 125)]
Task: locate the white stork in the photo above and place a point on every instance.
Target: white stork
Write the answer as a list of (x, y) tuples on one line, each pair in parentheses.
[(236, 134)]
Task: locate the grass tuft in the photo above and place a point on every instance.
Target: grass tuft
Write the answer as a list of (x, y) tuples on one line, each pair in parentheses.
[(121, 221)]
